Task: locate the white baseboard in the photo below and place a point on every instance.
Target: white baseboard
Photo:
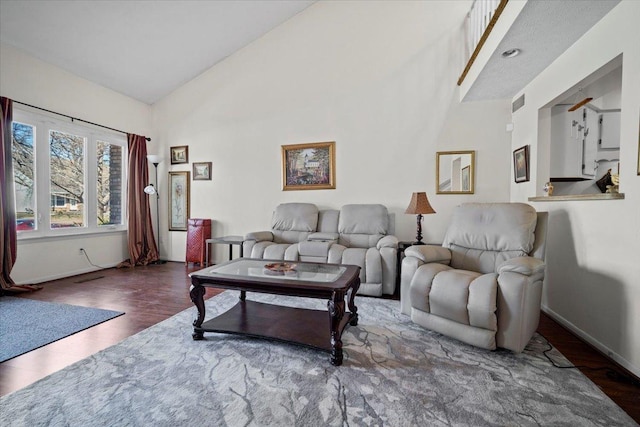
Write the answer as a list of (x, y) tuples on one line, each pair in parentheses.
[(65, 274), (592, 341)]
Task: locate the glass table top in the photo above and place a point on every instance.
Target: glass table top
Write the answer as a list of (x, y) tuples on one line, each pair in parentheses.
[(300, 271)]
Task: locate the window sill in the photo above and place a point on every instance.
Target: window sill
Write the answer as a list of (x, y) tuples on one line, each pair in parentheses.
[(38, 237), (578, 197)]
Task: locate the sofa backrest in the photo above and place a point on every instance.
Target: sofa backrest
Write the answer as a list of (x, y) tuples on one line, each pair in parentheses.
[(293, 222), (361, 226), (328, 221), (483, 235)]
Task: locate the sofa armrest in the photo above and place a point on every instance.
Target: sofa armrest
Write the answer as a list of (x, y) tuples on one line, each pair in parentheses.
[(387, 242), (260, 236), (322, 237), (429, 253), (526, 265)]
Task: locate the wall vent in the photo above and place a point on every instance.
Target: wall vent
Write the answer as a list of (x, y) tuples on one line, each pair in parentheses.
[(517, 104)]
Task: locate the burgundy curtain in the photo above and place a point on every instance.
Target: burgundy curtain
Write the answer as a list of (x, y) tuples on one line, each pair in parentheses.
[(142, 243), (8, 242)]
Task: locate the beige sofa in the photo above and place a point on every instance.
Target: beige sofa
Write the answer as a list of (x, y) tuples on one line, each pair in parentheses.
[(483, 286), (359, 234)]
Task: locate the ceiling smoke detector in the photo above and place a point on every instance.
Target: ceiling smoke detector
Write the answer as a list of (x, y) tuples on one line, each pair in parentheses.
[(511, 53)]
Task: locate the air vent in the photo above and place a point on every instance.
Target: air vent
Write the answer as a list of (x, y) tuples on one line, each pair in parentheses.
[(517, 104)]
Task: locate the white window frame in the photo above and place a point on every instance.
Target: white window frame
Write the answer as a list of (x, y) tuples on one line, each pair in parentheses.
[(43, 124)]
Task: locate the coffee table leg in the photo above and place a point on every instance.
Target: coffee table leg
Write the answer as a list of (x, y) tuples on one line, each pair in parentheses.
[(336, 312), (196, 292), (352, 305)]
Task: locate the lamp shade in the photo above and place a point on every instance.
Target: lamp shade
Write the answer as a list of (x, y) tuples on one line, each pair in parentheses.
[(154, 158), (419, 204), (150, 189)]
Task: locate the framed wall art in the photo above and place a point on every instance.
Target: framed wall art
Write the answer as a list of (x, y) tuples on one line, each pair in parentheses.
[(521, 164), (179, 154), (309, 166), (178, 200), (202, 171), (455, 172)]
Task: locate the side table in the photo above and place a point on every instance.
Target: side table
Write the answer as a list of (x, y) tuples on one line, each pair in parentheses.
[(226, 240)]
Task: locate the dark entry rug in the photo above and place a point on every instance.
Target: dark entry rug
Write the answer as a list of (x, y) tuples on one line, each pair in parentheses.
[(27, 324)]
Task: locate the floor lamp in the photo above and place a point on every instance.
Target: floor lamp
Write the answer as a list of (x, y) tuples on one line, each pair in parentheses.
[(151, 190)]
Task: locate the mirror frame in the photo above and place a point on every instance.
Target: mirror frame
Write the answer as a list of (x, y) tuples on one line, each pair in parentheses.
[(472, 180)]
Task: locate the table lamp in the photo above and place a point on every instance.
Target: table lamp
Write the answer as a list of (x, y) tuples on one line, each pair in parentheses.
[(419, 205)]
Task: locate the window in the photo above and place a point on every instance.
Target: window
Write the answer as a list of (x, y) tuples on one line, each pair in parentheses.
[(22, 150), (72, 183), (109, 196), (66, 170)]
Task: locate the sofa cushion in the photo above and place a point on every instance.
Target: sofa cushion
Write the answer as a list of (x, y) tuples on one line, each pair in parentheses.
[(480, 260), (363, 219), (328, 221), (465, 297), (295, 217)]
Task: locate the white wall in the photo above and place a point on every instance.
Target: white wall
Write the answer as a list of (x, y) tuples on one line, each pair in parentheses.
[(592, 284), (376, 77), (29, 80)]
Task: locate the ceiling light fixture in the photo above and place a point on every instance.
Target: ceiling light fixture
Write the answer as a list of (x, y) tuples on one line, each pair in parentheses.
[(511, 53)]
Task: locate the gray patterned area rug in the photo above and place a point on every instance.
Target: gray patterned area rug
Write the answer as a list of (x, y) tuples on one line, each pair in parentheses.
[(394, 373)]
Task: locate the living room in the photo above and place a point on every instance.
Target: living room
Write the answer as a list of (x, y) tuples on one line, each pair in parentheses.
[(379, 79)]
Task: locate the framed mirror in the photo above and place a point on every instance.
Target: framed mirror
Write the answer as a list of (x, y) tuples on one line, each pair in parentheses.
[(455, 172)]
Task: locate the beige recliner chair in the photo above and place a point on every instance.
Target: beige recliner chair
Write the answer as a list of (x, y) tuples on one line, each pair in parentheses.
[(483, 286), (365, 238), (291, 223)]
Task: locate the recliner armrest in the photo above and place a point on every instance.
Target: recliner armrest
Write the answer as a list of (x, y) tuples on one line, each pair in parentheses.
[(260, 236), (387, 242), (322, 237), (525, 265), (429, 253)]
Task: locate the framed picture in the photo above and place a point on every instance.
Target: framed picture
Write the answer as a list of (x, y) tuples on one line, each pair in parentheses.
[(178, 200), (179, 154), (202, 171), (521, 164), (309, 166), (455, 172), (466, 178)]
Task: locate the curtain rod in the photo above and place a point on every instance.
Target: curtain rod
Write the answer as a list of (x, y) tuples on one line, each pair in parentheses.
[(73, 118)]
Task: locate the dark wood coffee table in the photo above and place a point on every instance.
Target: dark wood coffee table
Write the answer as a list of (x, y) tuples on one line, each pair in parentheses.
[(311, 328)]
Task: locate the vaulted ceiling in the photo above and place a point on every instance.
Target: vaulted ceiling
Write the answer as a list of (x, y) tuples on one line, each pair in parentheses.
[(143, 49), (147, 49)]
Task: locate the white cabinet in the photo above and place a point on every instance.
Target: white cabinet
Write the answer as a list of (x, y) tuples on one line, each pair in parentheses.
[(610, 129), (574, 143)]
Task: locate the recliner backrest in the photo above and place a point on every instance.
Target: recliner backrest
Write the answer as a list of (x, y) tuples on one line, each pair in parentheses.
[(293, 222), (361, 226), (483, 235)]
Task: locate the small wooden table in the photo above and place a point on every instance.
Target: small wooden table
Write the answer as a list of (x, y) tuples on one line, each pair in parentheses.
[(311, 328)]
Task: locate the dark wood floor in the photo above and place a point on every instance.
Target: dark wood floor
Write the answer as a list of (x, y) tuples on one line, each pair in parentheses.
[(151, 294)]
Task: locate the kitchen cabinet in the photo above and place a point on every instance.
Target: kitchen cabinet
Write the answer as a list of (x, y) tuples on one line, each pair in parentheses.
[(574, 143), (609, 129)]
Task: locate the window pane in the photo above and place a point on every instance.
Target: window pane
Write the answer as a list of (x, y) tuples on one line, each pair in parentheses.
[(109, 183), (67, 179), (22, 153)]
